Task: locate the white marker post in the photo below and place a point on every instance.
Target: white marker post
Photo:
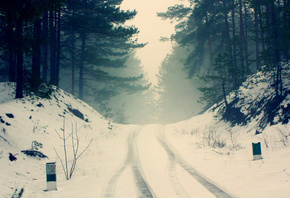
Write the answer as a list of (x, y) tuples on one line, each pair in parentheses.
[(51, 176)]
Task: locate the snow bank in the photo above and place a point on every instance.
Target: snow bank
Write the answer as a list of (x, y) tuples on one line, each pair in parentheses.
[(224, 152), (35, 120)]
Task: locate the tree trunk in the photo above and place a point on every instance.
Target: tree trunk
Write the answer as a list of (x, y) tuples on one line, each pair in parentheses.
[(227, 31), (209, 43), (11, 52), (246, 40), (72, 54), (19, 54), (261, 27), (268, 27), (234, 46), (286, 26), (36, 54), (81, 74), (242, 38), (73, 72), (229, 51), (52, 41), (45, 47), (274, 35), (82, 61), (57, 61), (257, 39)]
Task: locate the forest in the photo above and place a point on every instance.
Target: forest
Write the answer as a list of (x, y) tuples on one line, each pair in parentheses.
[(218, 42), (227, 40), (39, 38)]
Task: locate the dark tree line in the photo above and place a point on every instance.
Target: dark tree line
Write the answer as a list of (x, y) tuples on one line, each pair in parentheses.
[(230, 39), (21, 39), (39, 37)]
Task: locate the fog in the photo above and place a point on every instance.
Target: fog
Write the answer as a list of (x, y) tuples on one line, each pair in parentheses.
[(175, 101), (151, 29), (174, 98)]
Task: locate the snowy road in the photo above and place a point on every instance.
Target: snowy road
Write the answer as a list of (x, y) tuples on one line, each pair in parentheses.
[(153, 168), (131, 161)]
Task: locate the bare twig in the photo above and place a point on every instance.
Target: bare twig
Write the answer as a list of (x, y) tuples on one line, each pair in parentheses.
[(64, 148), (85, 149), (75, 149), (60, 161)]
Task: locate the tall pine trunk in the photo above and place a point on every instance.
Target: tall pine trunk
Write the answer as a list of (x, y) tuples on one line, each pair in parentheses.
[(261, 26), (257, 45), (52, 46), (227, 32), (11, 52), (19, 54), (286, 26), (72, 54), (81, 74), (274, 43), (234, 46), (242, 38), (52, 43), (209, 44), (268, 29), (82, 56), (57, 61), (45, 47), (36, 55), (246, 40), (229, 50)]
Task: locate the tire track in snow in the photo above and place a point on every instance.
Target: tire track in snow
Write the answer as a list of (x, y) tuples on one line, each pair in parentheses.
[(173, 155), (132, 160), (111, 185), (142, 184), (180, 192)]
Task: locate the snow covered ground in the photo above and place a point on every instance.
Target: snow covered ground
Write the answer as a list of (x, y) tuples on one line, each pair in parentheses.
[(233, 167), (137, 161)]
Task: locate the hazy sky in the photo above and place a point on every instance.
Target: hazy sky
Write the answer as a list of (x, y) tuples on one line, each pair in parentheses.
[(151, 28)]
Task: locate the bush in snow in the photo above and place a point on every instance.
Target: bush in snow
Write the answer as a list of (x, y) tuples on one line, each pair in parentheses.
[(75, 143)]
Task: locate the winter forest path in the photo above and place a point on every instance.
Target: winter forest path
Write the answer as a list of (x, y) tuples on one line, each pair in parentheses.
[(154, 169)]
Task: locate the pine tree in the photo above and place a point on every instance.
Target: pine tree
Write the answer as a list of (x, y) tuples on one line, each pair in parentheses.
[(97, 35)]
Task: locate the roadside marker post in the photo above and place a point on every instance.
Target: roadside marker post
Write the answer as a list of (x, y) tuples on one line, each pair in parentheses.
[(257, 152), (51, 176)]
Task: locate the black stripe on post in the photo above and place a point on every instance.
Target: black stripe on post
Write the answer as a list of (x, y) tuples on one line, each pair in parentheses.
[(257, 148), (51, 178)]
